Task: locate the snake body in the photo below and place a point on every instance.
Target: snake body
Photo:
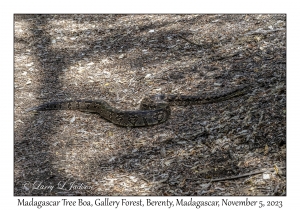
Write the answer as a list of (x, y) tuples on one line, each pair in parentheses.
[(154, 109)]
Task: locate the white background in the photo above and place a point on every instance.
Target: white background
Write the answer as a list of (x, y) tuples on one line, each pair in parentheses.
[(9, 8)]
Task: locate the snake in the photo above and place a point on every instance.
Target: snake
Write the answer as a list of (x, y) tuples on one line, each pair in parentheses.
[(154, 109)]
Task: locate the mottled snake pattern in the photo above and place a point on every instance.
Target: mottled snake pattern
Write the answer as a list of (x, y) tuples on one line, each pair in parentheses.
[(154, 109)]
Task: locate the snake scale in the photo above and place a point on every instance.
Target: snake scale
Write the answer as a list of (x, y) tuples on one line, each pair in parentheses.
[(154, 109)]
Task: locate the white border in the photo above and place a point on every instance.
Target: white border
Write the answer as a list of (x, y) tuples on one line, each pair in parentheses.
[(154, 6)]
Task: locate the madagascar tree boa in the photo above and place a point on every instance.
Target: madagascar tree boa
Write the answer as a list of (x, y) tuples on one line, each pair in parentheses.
[(154, 109)]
